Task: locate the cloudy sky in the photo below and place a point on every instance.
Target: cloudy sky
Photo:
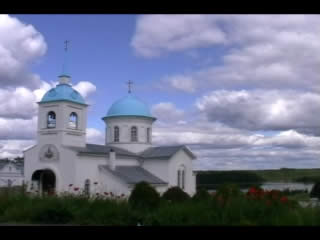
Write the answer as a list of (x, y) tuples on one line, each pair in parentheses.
[(241, 91)]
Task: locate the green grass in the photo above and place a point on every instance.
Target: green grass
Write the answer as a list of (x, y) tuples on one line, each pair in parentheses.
[(230, 209)]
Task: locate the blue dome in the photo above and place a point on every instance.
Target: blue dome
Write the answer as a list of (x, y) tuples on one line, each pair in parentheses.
[(129, 106), (63, 92)]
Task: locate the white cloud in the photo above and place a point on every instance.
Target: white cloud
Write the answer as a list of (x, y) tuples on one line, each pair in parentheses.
[(261, 51), (262, 110), (219, 147), (20, 45), (13, 148), (18, 128), (180, 82), (85, 88), (95, 136), (167, 111), (174, 33)]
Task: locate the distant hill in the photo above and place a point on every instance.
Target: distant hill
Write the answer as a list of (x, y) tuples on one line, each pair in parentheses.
[(244, 178)]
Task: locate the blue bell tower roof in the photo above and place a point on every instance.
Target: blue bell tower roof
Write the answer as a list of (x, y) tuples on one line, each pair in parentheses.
[(63, 92), (129, 106)]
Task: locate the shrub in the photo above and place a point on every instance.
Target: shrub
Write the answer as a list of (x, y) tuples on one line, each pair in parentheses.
[(55, 213), (228, 191), (201, 195), (315, 192), (144, 196), (175, 194)]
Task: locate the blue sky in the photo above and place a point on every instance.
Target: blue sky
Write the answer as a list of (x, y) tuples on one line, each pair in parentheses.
[(241, 91), (100, 52)]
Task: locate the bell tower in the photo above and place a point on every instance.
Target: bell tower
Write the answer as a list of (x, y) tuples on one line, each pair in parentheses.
[(62, 116)]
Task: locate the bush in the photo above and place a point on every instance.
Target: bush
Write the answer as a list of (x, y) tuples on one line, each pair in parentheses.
[(315, 192), (54, 214), (201, 195), (228, 191), (175, 194), (144, 196)]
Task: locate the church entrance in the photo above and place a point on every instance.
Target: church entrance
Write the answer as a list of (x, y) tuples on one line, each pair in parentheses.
[(44, 182)]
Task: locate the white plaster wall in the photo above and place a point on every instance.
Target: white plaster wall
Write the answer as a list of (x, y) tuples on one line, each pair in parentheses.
[(64, 168), (10, 172), (62, 133), (125, 124), (157, 167), (111, 183), (178, 159), (87, 168)]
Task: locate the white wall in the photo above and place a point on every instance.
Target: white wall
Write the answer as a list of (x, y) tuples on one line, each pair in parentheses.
[(157, 167), (64, 168), (178, 159), (125, 124), (10, 172), (62, 133)]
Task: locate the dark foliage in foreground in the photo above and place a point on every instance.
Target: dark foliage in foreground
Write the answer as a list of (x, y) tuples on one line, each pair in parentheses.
[(175, 194), (144, 196), (227, 207), (315, 192)]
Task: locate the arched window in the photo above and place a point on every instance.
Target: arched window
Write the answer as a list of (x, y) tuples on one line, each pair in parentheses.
[(148, 135), (73, 120), (181, 175), (134, 134), (87, 187), (51, 120), (116, 134)]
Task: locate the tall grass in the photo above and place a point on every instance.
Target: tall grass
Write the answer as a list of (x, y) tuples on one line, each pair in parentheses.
[(233, 210)]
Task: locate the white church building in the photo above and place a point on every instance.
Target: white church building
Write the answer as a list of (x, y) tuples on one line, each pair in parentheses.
[(62, 161)]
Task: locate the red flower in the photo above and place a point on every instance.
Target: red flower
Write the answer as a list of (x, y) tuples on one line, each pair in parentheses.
[(70, 185), (105, 193), (95, 183), (122, 195), (76, 189), (111, 193), (284, 199), (252, 190)]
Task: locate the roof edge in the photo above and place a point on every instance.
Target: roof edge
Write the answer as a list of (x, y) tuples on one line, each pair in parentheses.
[(63, 100), (115, 116)]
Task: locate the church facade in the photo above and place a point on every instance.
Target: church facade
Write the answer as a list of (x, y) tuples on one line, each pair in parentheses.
[(62, 161)]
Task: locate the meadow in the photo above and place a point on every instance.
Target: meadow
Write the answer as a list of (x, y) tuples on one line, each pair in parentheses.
[(229, 206)]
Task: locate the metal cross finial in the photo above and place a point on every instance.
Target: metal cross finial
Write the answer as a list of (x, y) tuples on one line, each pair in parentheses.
[(66, 45), (129, 86)]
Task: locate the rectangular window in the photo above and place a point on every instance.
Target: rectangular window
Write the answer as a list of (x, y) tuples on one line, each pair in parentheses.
[(182, 179), (148, 135)]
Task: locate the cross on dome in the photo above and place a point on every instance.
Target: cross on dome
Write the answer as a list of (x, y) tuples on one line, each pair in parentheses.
[(129, 86)]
